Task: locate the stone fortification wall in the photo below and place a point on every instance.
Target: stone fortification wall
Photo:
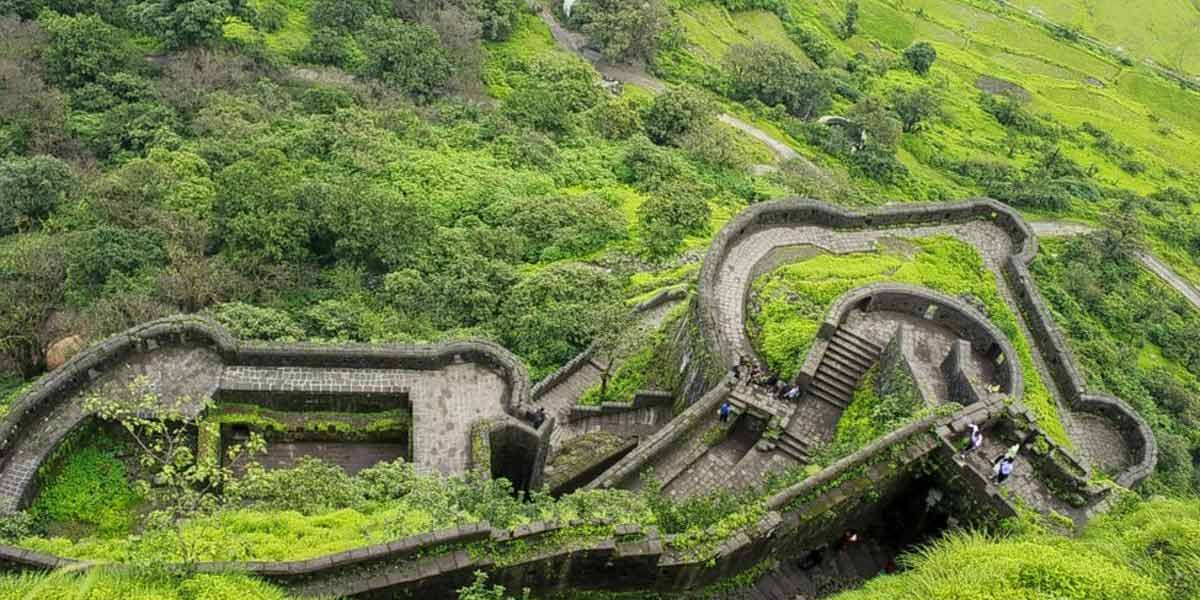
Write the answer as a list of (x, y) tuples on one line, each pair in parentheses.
[(951, 313), (39, 419), (1044, 333)]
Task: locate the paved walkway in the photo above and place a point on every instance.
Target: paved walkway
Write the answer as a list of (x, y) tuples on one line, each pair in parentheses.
[(1097, 440), (738, 270)]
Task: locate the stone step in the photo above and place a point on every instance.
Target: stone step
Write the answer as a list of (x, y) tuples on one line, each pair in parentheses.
[(851, 357), (841, 371), (854, 367), (795, 448), (831, 383), (849, 336), (834, 396)]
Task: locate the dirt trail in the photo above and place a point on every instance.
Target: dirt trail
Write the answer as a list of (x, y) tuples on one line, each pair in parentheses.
[(633, 74), (1152, 263)]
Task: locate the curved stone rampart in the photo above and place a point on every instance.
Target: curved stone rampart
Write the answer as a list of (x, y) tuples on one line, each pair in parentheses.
[(1045, 334), (953, 314)]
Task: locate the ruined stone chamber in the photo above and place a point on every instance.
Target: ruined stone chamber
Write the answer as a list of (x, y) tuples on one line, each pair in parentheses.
[(352, 405)]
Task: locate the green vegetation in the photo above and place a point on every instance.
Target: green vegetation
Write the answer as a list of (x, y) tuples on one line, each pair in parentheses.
[(87, 490), (1135, 338), (884, 401), (100, 583), (790, 303), (378, 171), (1147, 550)]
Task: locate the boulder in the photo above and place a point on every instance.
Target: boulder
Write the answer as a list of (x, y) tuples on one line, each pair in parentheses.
[(61, 351)]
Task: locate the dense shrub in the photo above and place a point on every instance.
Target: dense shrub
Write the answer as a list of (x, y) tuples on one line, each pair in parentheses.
[(250, 322), (30, 190), (407, 56), (552, 314), (669, 215), (920, 57), (675, 112), (343, 17), (557, 228)]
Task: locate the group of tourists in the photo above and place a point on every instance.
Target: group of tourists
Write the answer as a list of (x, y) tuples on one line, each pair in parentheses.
[(746, 372), (1002, 467)]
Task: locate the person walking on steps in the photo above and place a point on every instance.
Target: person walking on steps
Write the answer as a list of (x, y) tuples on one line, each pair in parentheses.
[(974, 441), (724, 411), (1003, 469)]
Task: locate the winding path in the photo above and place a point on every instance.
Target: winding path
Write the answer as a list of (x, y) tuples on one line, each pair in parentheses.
[(576, 42), (1151, 262)]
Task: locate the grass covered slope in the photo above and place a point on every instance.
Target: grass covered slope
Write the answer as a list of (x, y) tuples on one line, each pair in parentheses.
[(1135, 337), (105, 584), (788, 304), (1146, 551)]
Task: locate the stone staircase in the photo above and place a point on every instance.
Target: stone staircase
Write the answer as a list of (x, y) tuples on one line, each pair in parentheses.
[(795, 447), (638, 422), (846, 360), (838, 571)]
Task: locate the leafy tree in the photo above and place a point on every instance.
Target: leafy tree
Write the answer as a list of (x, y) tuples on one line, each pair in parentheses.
[(82, 49), (183, 23), (405, 55), (619, 332), (624, 30), (872, 116), (920, 57), (131, 129), (30, 190), (346, 16), (106, 252), (260, 212), (32, 114), (554, 90), (461, 279), (616, 119), (669, 216), (878, 162), (915, 106), (556, 228), (187, 482), (765, 72), (499, 18), (32, 281), (553, 314), (328, 46), (849, 25), (1123, 233), (677, 111), (650, 167)]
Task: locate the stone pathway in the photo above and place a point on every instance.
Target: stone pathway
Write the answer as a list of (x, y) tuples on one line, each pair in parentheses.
[(738, 270), (711, 470), (1023, 484), (1095, 439)]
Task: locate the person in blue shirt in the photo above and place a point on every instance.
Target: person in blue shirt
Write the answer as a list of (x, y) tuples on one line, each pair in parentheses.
[(724, 411)]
